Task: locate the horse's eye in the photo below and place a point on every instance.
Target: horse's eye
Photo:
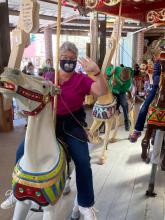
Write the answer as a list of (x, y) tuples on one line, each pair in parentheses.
[(44, 86)]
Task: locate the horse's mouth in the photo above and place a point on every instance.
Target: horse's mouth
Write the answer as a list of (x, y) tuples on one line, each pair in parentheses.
[(7, 85)]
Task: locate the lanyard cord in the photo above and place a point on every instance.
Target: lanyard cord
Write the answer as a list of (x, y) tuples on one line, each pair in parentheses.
[(70, 112)]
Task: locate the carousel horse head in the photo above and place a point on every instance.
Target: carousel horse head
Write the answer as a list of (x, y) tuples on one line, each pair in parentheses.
[(150, 66), (143, 68), (30, 92)]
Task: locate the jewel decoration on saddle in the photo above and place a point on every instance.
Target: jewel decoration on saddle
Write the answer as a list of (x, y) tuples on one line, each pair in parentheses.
[(156, 16), (43, 188), (111, 2), (92, 4)]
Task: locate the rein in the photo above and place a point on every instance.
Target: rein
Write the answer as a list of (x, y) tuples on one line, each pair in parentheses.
[(34, 96)]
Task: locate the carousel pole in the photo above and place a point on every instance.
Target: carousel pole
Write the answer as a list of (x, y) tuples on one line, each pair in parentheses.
[(118, 32), (155, 158), (58, 32)]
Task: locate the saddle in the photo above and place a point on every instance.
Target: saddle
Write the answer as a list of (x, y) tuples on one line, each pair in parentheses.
[(156, 115)]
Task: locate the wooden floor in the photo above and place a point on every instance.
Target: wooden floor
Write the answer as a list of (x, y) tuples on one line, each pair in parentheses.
[(119, 185)]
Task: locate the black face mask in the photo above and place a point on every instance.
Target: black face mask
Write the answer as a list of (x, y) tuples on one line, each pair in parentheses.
[(68, 65)]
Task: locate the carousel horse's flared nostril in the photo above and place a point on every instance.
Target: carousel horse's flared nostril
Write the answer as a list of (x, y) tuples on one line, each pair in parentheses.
[(1, 83)]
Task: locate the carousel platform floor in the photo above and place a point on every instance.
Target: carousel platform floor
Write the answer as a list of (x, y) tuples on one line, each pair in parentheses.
[(120, 184)]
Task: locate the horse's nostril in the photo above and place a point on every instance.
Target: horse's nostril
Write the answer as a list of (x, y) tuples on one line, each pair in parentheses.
[(1, 83)]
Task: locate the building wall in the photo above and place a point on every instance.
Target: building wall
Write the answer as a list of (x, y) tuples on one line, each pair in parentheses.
[(127, 50)]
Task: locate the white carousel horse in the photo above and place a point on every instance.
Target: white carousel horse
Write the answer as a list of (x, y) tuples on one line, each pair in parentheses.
[(40, 174)]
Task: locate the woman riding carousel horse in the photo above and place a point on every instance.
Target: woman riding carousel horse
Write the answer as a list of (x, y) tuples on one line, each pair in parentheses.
[(144, 109), (70, 120)]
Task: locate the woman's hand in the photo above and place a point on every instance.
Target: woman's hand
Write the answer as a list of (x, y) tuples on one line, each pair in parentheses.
[(89, 65), (113, 82)]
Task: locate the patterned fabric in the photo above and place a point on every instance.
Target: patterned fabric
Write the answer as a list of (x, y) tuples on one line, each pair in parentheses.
[(43, 188), (156, 116), (104, 111)]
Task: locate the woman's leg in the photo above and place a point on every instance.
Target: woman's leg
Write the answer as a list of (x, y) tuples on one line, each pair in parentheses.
[(144, 110), (124, 104), (80, 155), (20, 151), (142, 116)]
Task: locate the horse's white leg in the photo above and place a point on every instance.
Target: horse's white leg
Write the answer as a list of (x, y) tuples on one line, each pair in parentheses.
[(132, 118), (21, 210), (49, 213), (117, 121), (108, 125), (75, 212), (95, 125)]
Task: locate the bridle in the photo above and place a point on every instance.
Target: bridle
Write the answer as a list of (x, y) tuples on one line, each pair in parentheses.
[(34, 96)]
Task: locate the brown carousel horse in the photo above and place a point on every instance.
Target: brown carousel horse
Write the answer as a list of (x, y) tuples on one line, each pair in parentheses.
[(156, 116)]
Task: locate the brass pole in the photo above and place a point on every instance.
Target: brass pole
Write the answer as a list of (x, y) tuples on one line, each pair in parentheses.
[(58, 32)]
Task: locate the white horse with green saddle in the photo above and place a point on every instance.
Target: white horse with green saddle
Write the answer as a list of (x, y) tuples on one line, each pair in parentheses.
[(40, 174)]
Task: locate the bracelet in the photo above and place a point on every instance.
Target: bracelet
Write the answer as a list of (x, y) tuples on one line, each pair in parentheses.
[(97, 74)]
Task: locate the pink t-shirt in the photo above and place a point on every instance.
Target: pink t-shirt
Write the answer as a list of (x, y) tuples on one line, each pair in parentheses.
[(49, 75), (73, 93)]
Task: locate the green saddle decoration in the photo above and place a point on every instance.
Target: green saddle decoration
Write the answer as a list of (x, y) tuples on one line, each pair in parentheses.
[(50, 184), (156, 116)]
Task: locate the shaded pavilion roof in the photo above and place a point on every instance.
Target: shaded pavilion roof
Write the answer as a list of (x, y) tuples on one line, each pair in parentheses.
[(74, 24)]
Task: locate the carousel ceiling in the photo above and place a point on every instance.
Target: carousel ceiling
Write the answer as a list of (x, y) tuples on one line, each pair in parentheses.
[(135, 9), (73, 23)]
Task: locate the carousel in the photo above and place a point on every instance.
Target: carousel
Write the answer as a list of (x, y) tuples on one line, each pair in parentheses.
[(44, 183)]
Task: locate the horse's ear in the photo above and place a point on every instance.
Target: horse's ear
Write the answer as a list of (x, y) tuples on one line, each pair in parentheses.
[(13, 71), (54, 90)]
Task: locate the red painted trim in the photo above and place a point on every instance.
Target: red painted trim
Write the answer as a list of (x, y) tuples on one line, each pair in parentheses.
[(130, 9)]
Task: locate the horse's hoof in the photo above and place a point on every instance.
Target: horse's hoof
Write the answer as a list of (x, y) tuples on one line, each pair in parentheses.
[(144, 154), (75, 215), (97, 140), (101, 161), (39, 209), (113, 140), (144, 158), (150, 191)]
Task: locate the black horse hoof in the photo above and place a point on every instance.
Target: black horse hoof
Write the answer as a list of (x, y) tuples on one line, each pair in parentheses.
[(150, 193), (37, 210), (147, 160)]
